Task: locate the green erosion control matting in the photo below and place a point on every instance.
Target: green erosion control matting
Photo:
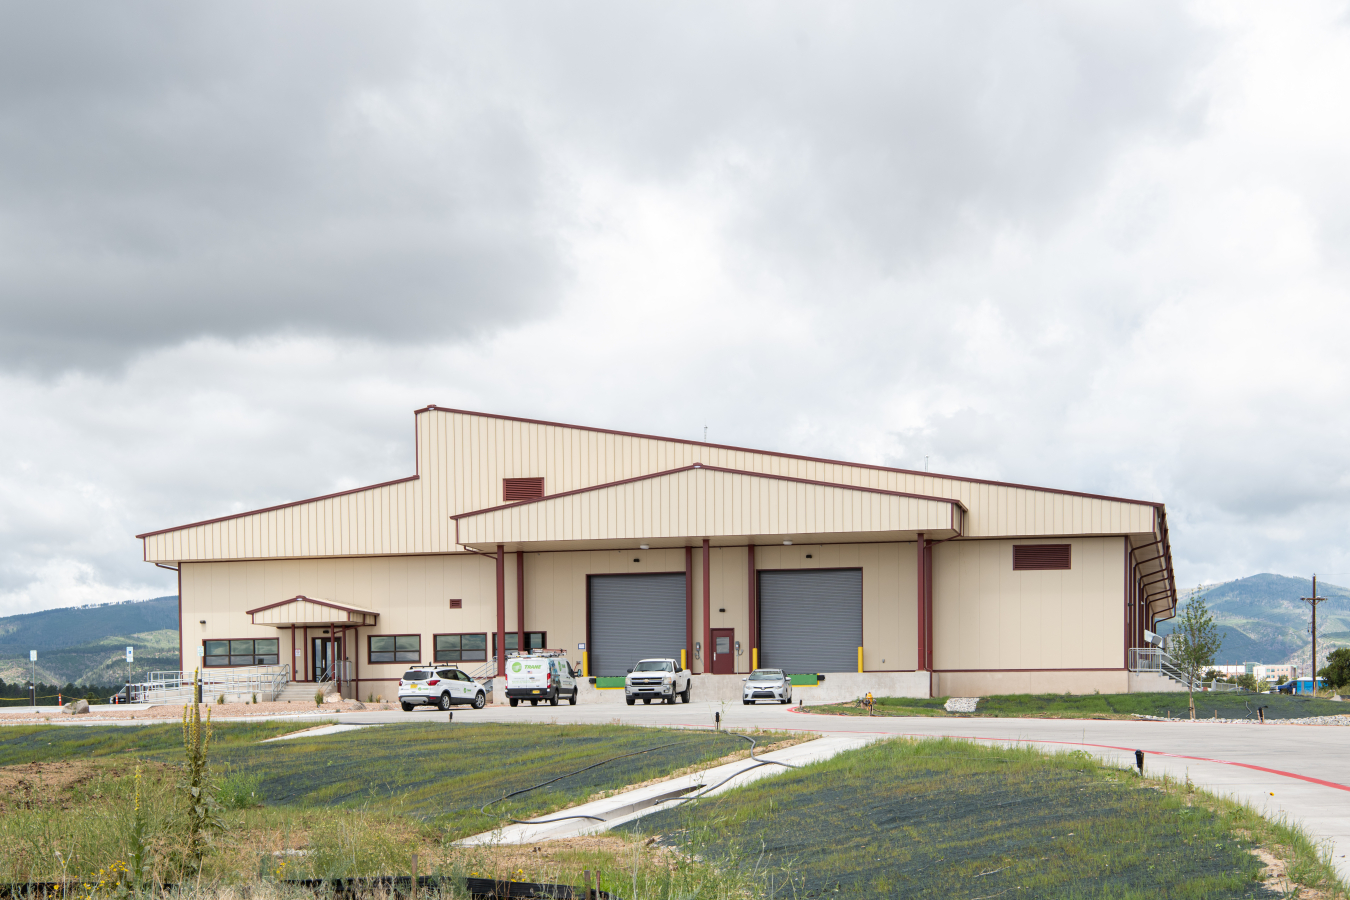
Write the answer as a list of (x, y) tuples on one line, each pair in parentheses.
[(941, 819)]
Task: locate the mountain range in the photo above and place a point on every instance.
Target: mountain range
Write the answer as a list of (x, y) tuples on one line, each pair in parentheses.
[(1264, 620), (87, 644)]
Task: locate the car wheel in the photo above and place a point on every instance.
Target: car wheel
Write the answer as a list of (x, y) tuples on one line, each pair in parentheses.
[(786, 700), (573, 699), (646, 701), (407, 707), (631, 701), (553, 701), (480, 700), (534, 702), (514, 700), (747, 702), (687, 689), (445, 702)]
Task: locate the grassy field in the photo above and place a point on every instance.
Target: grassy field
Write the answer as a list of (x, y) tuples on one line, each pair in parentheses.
[(1119, 706), (357, 802), (949, 819)]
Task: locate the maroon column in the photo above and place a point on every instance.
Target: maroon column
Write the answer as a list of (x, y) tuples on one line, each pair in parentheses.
[(707, 607), (921, 660), (751, 597), (928, 600), (520, 601), (689, 607), (304, 653), (501, 611)]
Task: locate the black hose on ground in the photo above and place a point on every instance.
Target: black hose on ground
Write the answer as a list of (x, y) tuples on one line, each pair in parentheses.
[(757, 763)]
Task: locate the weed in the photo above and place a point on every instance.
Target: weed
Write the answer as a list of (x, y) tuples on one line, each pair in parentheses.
[(220, 701), (255, 699), (318, 698), (199, 793)]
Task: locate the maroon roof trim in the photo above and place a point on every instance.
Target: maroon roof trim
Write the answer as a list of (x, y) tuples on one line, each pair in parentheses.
[(348, 609), (831, 484), (816, 459)]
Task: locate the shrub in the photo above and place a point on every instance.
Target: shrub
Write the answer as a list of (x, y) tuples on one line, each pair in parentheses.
[(318, 698)]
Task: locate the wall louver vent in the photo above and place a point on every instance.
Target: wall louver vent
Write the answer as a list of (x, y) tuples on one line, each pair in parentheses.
[(1029, 557), (456, 604), (514, 489)]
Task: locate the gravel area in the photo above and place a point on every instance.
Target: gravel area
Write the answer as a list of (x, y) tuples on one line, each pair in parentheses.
[(1310, 720), (170, 712)]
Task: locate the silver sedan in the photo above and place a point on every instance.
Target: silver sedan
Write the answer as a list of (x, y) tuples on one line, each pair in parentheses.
[(767, 684)]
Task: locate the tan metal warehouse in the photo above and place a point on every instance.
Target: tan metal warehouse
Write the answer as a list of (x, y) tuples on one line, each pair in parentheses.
[(610, 545)]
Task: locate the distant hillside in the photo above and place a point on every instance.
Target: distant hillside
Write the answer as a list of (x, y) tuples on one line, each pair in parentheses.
[(88, 644), (1266, 621)]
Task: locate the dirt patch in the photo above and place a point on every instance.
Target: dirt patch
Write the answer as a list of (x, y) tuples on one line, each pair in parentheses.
[(55, 785), (562, 855), (175, 712)]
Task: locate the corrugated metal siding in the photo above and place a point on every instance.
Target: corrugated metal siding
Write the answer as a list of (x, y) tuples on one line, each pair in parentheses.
[(463, 458), (810, 620), (634, 617)]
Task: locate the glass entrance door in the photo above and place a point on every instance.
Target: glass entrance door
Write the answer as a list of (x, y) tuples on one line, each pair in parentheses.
[(325, 650)]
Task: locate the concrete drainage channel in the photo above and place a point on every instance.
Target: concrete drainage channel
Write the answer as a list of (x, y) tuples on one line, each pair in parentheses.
[(602, 815)]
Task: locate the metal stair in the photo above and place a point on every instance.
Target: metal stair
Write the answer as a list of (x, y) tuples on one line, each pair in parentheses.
[(1150, 659)]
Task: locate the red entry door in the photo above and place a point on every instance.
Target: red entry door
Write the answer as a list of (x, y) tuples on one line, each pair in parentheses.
[(724, 651)]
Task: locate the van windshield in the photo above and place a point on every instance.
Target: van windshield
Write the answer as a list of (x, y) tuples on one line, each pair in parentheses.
[(654, 665)]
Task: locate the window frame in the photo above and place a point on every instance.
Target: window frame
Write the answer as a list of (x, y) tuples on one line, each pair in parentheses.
[(436, 651), (230, 655), (543, 641), (371, 651)]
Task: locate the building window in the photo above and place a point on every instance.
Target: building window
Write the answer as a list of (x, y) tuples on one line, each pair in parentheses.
[(516, 489), (1032, 557), (246, 652), (534, 640), (461, 647), (395, 648)]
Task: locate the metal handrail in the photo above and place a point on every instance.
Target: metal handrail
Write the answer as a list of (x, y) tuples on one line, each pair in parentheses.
[(1151, 659), (166, 687)]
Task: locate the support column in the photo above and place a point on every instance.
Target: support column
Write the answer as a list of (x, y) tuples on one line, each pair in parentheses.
[(707, 607), (356, 663), (501, 611), (304, 653), (921, 659), (520, 602), (928, 600), (689, 607), (752, 595), (292, 659)]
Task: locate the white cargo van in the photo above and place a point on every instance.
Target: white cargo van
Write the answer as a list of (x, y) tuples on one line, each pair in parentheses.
[(538, 677)]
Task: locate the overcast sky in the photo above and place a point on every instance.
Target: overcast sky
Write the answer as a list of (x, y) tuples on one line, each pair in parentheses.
[(1103, 248)]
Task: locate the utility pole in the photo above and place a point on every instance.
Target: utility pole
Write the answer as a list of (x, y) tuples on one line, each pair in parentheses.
[(1313, 601)]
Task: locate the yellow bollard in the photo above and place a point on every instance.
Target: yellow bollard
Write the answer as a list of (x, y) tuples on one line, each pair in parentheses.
[(684, 664), (754, 657), (860, 668), (585, 664)]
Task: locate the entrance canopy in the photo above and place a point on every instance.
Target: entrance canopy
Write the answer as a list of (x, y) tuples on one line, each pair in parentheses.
[(727, 506), (305, 611)]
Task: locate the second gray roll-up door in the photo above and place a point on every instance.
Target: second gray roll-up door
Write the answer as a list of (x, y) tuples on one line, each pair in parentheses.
[(810, 620), (634, 617)]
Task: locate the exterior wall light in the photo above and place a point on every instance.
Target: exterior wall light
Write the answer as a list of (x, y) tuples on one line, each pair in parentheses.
[(787, 543), (644, 547)]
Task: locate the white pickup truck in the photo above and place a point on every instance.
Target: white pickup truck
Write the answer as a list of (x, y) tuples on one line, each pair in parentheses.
[(657, 679)]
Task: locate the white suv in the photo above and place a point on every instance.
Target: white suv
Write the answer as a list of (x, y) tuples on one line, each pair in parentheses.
[(440, 686)]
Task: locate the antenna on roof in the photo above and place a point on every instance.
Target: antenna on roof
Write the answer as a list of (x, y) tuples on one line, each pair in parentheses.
[(705, 432), (925, 464)]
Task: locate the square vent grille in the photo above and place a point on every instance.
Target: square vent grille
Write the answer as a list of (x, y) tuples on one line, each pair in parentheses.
[(1030, 557), (514, 489)]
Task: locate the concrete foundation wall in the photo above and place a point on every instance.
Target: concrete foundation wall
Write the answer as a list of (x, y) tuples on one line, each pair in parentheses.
[(837, 687), (984, 684), (1153, 682)]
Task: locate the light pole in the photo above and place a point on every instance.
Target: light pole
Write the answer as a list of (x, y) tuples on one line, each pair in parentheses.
[(32, 678)]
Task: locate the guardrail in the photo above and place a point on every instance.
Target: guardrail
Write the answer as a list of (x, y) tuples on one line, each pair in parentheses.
[(1151, 659), (265, 682)]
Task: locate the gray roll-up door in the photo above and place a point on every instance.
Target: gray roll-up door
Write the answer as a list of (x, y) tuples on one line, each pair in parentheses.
[(634, 617), (810, 620)]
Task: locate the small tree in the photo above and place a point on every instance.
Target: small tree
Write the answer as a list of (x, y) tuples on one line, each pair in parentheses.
[(1337, 669), (1195, 642)]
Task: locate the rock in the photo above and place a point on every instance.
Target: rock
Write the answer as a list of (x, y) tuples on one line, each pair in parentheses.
[(357, 704), (961, 704), (332, 698), (76, 707)]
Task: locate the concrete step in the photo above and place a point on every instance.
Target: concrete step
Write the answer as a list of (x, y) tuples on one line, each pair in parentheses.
[(302, 691)]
